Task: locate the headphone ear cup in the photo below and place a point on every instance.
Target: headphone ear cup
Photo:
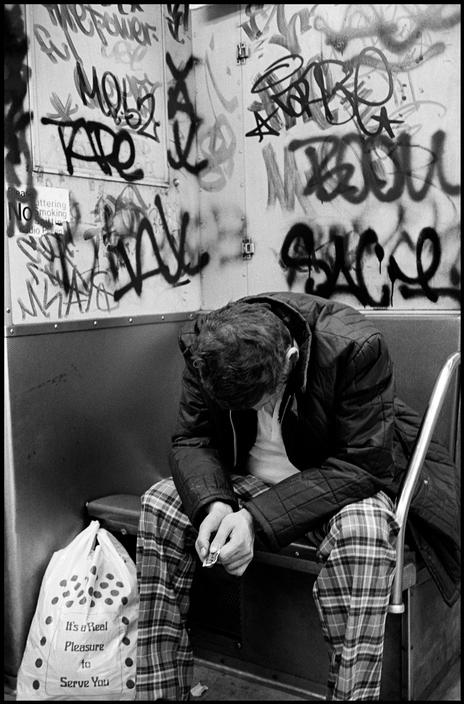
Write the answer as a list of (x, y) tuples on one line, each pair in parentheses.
[(292, 354)]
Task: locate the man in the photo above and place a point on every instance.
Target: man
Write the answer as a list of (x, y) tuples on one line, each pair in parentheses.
[(287, 428)]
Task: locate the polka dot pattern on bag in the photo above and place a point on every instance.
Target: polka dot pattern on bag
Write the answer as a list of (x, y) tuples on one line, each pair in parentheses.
[(72, 592), (106, 589), (38, 663), (77, 592)]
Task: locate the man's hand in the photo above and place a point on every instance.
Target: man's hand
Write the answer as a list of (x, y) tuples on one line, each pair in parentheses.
[(235, 538), (217, 510)]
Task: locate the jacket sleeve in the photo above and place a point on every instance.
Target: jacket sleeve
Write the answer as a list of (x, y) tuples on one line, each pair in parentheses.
[(361, 460), (195, 464)]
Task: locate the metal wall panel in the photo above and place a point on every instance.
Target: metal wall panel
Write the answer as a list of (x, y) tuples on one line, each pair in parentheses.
[(95, 237), (216, 34), (419, 344), (91, 414), (351, 132), (435, 638), (337, 141)]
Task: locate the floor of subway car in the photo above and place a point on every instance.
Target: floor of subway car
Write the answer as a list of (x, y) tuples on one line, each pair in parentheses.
[(225, 684), (215, 683)]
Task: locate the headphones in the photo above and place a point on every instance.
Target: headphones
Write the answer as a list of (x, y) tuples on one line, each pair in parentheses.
[(292, 352)]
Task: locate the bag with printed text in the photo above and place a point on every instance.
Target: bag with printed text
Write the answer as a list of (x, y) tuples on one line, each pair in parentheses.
[(82, 640)]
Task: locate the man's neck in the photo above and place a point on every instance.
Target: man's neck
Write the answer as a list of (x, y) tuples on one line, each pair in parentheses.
[(271, 404)]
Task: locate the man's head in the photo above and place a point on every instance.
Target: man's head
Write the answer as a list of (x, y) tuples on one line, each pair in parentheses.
[(242, 354)]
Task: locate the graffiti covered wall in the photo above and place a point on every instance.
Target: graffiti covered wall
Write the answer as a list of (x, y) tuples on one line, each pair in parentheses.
[(348, 120), (100, 162), (132, 187)]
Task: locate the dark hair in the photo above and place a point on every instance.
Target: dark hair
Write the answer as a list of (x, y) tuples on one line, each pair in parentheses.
[(240, 353)]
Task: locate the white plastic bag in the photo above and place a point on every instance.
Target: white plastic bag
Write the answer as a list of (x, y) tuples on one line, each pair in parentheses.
[(82, 640)]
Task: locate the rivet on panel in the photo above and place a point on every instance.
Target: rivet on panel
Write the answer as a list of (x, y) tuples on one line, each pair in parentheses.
[(95, 322), (11, 331), (55, 326), (131, 320), (8, 310), (162, 317)]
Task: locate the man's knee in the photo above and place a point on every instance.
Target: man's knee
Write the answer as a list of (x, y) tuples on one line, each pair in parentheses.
[(161, 502), (162, 491), (162, 510), (369, 522)]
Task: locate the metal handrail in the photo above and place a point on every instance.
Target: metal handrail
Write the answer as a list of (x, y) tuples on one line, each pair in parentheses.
[(423, 440)]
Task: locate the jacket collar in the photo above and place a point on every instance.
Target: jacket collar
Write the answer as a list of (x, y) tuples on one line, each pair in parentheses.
[(301, 332)]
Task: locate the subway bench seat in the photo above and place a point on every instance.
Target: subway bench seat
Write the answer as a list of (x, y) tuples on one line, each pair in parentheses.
[(120, 513)]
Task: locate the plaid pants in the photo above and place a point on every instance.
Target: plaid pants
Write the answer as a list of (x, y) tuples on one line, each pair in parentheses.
[(351, 592)]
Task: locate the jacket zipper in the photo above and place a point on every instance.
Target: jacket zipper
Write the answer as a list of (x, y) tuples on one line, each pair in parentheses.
[(234, 435)]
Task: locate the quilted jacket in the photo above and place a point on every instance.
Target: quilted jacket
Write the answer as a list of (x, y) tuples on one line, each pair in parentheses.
[(342, 427)]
